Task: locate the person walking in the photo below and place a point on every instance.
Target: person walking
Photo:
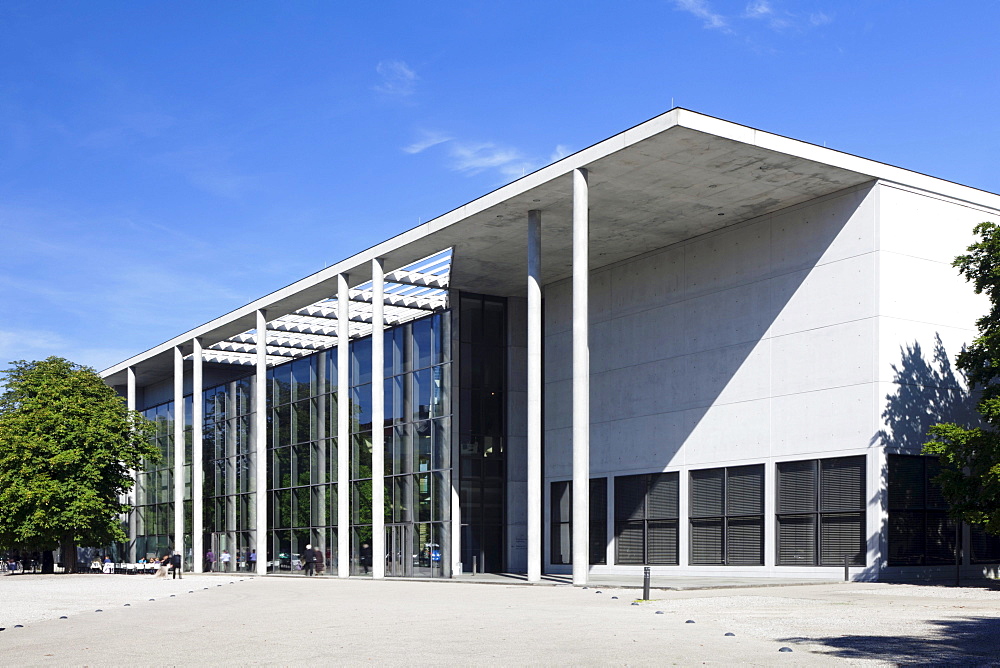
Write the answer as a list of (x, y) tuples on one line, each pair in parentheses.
[(209, 561), (319, 561), (176, 562), (224, 560), (309, 559), (161, 572), (252, 561)]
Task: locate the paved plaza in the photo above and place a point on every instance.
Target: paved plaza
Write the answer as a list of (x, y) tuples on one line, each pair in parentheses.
[(243, 620)]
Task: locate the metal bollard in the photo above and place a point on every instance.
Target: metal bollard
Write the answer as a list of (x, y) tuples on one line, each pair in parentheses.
[(847, 568), (645, 583), (475, 564)]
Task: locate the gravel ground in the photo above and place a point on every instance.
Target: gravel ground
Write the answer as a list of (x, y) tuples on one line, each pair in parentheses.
[(279, 621)]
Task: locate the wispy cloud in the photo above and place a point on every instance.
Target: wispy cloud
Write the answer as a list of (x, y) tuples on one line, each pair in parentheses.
[(703, 11), (426, 140), (397, 78), (476, 157), (209, 168), (766, 12)]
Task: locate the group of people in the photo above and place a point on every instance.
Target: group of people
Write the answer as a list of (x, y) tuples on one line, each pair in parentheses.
[(170, 563), (16, 561)]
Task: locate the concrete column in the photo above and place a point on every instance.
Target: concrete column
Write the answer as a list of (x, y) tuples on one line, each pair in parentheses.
[(260, 436), (378, 421), (179, 448), (534, 396), (581, 379), (130, 405), (197, 460), (343, 428)]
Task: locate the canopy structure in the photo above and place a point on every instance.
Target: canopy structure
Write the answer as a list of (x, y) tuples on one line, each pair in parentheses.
[(411, 292)]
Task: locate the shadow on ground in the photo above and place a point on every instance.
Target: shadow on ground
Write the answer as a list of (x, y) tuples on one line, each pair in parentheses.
[(973, 641)]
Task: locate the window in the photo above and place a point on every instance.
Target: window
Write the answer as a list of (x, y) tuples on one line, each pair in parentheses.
[(561, 517), (727, 516), (920, 531), (985, 547), (821, 512), (646, 511)]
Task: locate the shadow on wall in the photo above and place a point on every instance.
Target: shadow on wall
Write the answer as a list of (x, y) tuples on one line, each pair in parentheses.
[(969, 641), (928, 391)]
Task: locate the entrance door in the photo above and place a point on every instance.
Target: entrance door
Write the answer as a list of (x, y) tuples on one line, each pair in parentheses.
[(398, 549)]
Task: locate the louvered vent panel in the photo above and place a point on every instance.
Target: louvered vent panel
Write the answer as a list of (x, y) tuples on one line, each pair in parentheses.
[(745, 490), (842, 484), (662, 542), (663, 496), (842, 535), (796, 540), (797, 487), (630, 497), (906, 482), (706, 492), (745, 541), (706, 541), (629, 543), (940, 538)]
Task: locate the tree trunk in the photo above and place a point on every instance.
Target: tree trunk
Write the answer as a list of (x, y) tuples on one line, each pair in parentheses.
[(68, 548)]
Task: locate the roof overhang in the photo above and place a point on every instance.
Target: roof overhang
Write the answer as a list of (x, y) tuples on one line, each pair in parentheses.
[(676, 176)]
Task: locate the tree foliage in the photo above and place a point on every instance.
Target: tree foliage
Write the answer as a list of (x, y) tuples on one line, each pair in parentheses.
[(67, 444), (970, 456)]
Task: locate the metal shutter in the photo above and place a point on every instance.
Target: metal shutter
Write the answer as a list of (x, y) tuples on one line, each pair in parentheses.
[(940, 538), (842, 535), (745, 490), (706, 493), (630, 497), (706, 541), (663, 499), (797, 487), (935, 499), (629, 542), (842, 484), (985, 547), (906, 482), (796, 540), (745, 541), (906, 539), (661, 542)]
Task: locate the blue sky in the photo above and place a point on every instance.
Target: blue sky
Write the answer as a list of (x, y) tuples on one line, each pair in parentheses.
[(163, 163)]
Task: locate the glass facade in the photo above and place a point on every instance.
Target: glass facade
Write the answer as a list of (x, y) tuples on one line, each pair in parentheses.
[(302, 405), (228, 460), (154, 489)]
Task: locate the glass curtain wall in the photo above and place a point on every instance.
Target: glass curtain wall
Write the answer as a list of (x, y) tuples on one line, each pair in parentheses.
[(154, 490), (302, 431), (229, 509)]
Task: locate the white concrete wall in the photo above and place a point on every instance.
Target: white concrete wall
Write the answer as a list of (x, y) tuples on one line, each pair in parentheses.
[(755, 343), (926, 312)]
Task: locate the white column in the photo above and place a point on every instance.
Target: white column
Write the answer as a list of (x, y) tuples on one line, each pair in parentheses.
[(378, 422), (179, 448), (534, 396), (581, 380), (197, 467), (343, 428), (260, 433), (130, 405)]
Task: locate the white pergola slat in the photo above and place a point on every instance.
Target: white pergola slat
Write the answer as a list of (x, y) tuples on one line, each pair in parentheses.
[(410, 292)]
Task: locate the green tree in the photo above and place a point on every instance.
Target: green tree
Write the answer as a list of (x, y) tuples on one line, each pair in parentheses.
[(970, 456), (67, 444)]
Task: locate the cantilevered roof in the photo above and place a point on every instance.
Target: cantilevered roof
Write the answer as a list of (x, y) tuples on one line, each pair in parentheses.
[(673, 177)]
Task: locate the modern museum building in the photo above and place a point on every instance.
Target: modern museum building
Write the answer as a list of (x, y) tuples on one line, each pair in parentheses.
[(693, 346)]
